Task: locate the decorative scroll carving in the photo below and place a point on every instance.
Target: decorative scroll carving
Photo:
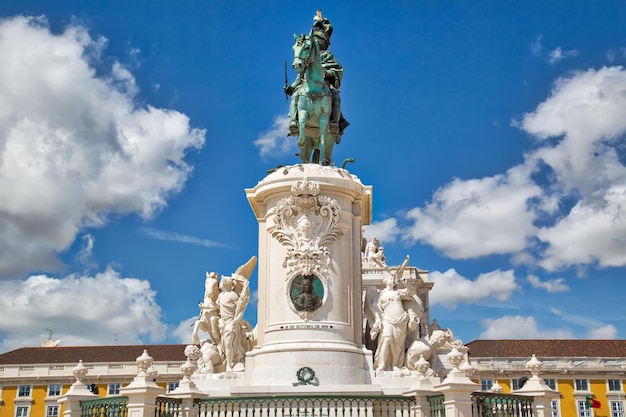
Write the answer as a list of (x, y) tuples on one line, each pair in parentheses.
[(306, 223)]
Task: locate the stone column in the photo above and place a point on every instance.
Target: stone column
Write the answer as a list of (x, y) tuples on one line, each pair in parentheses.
[(457, 388), (77, 392), (142, 391), (309, 310), (537, 388)]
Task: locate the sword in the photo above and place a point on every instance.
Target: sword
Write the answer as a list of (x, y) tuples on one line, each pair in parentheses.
[(286, 81)]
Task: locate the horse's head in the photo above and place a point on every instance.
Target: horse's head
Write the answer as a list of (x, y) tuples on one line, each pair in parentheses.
[(302, 55)]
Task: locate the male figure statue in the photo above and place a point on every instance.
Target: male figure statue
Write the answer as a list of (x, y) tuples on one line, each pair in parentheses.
[(333, 73)]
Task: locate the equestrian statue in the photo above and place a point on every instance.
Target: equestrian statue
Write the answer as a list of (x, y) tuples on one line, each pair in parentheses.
[(315, 111)]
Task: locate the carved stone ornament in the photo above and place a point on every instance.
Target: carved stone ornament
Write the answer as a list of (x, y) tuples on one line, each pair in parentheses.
[(305, 223)]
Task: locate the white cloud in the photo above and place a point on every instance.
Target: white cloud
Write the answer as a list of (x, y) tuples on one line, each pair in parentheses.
[(585, 110), (385, 231), (558, 54), (605, 332), (183, 331), (178, 237), (593, 231), (81, 310), (573, 214), (85, 255), (518, 327), (275, 141), (472, 218), (451, 288), (75, 147), (553, 285)]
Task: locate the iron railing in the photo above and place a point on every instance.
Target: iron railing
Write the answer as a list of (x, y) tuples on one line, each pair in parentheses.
[(306, 406), (104, 407), (435, 403), (489, 404), (168, 407)]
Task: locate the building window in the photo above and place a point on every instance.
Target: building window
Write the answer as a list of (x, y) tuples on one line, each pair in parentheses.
[(554, 407), (114, 389), (615, 385), (582, 385), (515, 385), (52, 411), (54, 390), (24, 391), (551, 383), (171, 386), (486, 384), (617, 408), (583, 410), (21, 412)]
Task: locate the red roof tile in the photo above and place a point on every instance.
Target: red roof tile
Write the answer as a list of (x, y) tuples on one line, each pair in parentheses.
[(92, 354), (547, 348)]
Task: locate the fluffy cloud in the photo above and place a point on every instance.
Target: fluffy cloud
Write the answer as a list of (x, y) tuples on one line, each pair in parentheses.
[(605, 332), (183, 331), (451, 288), (586, 112), (275, 140), (553, 285), (575, 214), (385, 231), (472, 218), (74, 146), (81, 310), (518, 327)]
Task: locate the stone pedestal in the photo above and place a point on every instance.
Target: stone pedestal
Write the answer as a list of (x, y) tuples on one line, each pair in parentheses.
[(309, 312), (78, 391)]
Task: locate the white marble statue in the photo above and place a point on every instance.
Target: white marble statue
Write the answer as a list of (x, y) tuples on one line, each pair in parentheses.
[(230, 337), (425, 346), (209, 311), (374, 254), (393, 313)]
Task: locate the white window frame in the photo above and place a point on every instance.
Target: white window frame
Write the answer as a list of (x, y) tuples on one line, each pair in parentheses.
[(582, 410), (55, 407), (608, 385), (171, 386), (586, 383), (60, 390), (555, 408), (19, 391), (486, 384), (116, 388), (514, 384), (22, 407), (616, 408), (556, 383)]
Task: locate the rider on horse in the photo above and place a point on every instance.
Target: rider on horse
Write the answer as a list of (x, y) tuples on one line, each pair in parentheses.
[(333, 73)]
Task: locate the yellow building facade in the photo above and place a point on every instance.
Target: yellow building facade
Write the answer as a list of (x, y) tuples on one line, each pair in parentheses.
[(578, 369), (32, 379)]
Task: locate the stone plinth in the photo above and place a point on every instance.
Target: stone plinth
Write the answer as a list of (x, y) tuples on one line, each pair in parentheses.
[(309, 311)]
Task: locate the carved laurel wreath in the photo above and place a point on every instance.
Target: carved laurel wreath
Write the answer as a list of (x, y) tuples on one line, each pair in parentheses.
[(305, 223)]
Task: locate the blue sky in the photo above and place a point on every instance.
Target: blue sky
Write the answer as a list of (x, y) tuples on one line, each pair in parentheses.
[(493, 134)]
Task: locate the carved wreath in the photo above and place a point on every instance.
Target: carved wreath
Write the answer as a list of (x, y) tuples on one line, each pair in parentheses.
[(305, 223)]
